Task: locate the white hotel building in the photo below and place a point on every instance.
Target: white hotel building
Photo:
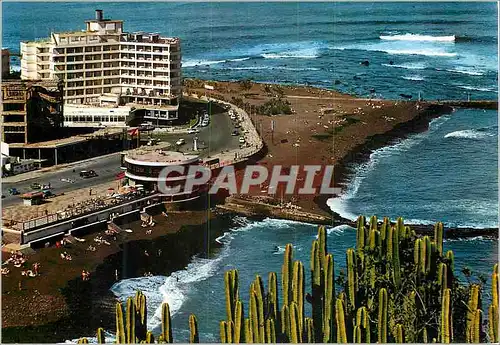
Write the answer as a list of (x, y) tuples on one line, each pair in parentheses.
[(110, 76)]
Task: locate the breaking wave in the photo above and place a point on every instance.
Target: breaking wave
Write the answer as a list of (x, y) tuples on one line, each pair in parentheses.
[(415, 65), (413, 77), (473, 134), (420, 38)]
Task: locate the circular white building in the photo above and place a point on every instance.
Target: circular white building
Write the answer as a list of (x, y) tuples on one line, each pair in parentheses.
[(144, 167)]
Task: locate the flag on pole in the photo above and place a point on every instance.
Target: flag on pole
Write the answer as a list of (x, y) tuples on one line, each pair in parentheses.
[(133, 131)]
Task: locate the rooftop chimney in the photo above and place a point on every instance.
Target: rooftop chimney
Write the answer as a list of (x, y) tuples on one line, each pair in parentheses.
[(98, 15)]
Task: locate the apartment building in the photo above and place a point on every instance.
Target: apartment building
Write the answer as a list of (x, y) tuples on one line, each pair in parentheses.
[(5, 62), (31, 111), (110, 76)]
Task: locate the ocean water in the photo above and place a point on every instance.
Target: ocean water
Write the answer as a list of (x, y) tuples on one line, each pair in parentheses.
[(442, 50)]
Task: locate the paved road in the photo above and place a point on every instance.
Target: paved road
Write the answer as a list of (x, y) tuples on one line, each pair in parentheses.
[(217, 137), (213, 139), (106, 167)]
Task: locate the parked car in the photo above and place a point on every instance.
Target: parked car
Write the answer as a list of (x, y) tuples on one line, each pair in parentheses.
[(204, 123), (13, 191), (192, 130), (180, 142), (235, 133), (242, 140), (35, 185), (48, 194), (236, 125), (88, 173)]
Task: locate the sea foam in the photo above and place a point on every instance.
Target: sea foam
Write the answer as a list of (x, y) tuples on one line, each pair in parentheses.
[(420, 38)]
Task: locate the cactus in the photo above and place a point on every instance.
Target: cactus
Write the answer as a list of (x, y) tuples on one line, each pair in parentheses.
[(356, 336), (309, 330), (258, 288), (270, 332), (494, 285), (223, 332), (363, 326), (254, 315), (285, 323), (382, 315), (351, 277), (248, 332), (120, 329), (438, 237), (425, 338), (471, 309), (101, 338), (443, 277), (141, 315), (396, 268), (238, 322), (130, 325), (317, 290), (150, 338), (476, 327), (166, 322), (340, 318), (298, 294), (231, 289), (451, 260), (390, 240), (286, 275), (272, 297), (493, 323), (399, 334), (361, 238), (373, 223), (295, 337), (329, 299), (446, 324), (428, 254), (193, 329), (83, 341), (322, 245)]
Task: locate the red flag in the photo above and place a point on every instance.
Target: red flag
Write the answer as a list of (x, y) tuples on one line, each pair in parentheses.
[(133, 131)]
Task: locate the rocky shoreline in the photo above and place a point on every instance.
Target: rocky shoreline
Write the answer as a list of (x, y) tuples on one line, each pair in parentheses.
[(60, 306)]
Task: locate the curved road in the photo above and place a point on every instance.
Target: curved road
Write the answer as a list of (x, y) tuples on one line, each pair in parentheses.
[(217, 137)]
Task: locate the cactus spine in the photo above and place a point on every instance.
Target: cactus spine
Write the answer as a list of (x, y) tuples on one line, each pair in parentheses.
[(193, 329), (382, 315)]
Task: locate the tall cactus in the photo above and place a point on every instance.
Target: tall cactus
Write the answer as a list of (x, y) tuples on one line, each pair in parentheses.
[(130, 325), (340, 318), (120, 326), (438, 237), (150, 338), (472, 306), (443, 277), (317, 290), (231, 289), (248, 332), (166, 322), (351, 277), (141, 315), (295, 334), (382, 315), (399, 334), (361, 240), (446, 323), (396, 267), (193, 329), (286, 275), (298, 293), (270, 331), (101, 337), (309, 330), (329, 300), (239, 320), (83, 341), (493, 323), (272, 297)]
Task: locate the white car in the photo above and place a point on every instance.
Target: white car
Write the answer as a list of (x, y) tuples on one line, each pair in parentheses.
[(204, 123), (180, 142), (242, 140), (192, 130)]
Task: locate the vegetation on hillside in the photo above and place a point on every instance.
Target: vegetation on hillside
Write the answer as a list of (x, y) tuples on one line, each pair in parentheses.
[(397, 288)]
